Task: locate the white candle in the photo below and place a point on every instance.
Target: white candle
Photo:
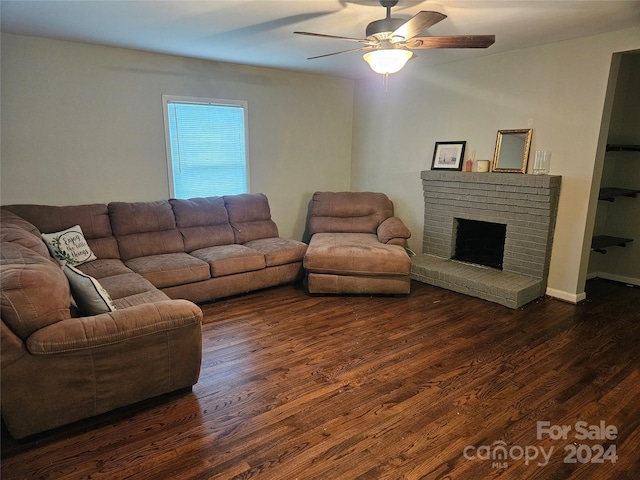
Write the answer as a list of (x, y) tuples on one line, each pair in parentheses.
[(483, 166)]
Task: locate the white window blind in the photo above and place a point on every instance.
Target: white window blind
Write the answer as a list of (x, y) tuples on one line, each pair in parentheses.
[(206, 146)]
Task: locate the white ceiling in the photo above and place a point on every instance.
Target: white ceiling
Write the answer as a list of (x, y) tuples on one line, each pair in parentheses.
[(260, 32)]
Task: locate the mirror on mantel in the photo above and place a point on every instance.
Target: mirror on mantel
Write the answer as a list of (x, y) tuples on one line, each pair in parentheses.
[(512, 151)]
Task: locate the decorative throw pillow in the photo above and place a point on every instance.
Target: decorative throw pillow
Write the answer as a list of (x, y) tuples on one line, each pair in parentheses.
[(69, 246), (90, 296)]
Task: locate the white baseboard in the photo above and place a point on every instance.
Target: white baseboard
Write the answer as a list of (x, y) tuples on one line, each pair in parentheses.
[(578, 297), (566, 296), (618, 278)]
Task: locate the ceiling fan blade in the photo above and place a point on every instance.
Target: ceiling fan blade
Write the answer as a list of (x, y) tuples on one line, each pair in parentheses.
[(418, 24), (454, 41), (343, 51), (360, 40)]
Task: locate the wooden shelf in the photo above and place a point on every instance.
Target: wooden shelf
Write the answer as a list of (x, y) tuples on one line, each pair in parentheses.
[(609, 193), (600, 243), (623, 148)]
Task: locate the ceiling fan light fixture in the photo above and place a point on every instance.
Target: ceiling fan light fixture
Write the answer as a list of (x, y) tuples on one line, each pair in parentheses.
[(386, 61)]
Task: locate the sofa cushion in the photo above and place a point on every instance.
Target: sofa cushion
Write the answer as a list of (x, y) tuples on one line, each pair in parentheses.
[(107, 267), (14, 228), (167, 270), (250, 217), (11, 219), (355, 254), (69, 246), (90, 296), (92, 218), (348, 212), (145, 229), (126, 284), (230, 259), (131, 289), (150, 296), (278, 251), (34, 292), (203, 222), (25, 239)]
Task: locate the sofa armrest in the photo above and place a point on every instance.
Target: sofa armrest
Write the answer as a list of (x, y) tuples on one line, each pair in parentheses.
[(114, 327), (393, 231), (12, 347)]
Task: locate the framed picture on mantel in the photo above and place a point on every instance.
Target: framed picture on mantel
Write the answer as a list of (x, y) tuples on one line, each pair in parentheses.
[(448, 156)]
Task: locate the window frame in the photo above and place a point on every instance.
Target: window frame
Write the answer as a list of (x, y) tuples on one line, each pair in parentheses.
[(167, 99)]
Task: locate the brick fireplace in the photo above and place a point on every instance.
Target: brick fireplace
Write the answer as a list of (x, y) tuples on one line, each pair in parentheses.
[(524, 207)]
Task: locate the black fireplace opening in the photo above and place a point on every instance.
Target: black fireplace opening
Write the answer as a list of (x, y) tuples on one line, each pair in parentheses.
[(480, 242)]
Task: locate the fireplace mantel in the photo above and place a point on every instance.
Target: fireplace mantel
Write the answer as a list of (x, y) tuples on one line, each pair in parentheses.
[(492, 178), (526, 204)]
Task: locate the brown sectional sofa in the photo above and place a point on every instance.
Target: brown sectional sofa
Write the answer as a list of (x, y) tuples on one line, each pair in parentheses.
[(60, 365), (357, 245)]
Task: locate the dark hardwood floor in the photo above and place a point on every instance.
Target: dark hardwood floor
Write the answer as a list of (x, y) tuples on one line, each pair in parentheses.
[(343, 387)]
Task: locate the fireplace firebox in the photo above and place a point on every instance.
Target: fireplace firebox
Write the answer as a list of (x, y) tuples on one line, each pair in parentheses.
[(481, 243)]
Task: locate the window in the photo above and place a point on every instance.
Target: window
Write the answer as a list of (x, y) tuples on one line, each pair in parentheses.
[(206, 142)]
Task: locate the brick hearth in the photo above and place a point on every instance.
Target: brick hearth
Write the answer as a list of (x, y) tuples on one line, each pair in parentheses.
[(526, 204)]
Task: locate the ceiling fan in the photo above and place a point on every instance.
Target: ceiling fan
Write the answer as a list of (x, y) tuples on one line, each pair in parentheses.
[(389, 42)]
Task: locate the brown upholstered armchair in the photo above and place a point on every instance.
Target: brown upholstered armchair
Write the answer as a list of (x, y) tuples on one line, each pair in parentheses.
[(357, 245)]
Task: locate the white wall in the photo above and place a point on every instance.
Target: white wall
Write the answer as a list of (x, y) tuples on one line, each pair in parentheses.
[(557, 89), (83, 123)]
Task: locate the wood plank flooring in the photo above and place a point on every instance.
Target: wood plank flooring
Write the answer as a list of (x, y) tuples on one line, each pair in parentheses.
[(345, 387)]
